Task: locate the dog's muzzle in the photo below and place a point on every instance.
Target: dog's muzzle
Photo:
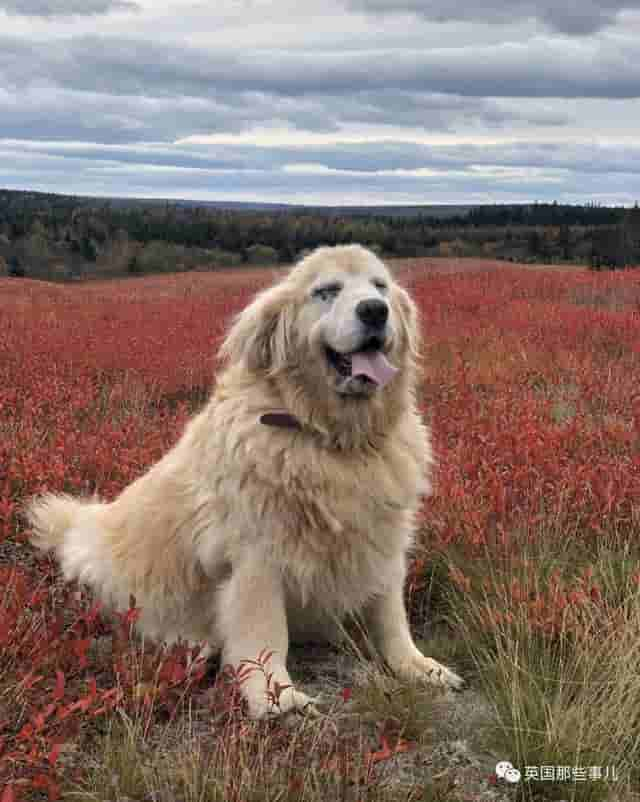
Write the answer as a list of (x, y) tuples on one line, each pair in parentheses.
[(363, 370)]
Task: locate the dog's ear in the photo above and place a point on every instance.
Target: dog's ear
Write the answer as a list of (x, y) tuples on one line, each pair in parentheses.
[(410, 322), (259, 336)]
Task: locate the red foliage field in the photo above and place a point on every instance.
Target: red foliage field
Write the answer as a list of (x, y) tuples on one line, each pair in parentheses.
[(531, 385)]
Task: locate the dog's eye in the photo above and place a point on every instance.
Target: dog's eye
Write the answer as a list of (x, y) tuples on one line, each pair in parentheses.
[(327, 292), (380, 285)]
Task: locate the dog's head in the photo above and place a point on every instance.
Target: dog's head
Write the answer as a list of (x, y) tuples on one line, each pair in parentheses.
[(338, 330)]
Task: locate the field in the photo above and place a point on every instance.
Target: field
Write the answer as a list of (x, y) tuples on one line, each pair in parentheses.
[(525, 577)]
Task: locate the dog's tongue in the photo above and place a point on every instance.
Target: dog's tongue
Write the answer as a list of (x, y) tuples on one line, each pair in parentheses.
[(374, 365)]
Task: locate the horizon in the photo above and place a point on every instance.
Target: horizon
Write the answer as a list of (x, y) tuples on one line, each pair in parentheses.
[(253, 202)]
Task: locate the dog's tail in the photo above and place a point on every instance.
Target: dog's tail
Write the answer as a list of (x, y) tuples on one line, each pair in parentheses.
[(51, 516), (71, 527)]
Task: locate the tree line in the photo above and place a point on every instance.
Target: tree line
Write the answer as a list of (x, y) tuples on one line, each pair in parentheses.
[(56, 236)]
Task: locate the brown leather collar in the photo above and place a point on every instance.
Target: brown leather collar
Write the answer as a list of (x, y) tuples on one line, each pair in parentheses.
[(280, 418)]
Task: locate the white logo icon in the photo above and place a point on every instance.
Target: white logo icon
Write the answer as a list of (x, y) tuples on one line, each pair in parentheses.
[(506, 771)]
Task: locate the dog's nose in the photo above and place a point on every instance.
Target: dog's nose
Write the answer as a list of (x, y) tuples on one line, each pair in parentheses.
[(373, 313)]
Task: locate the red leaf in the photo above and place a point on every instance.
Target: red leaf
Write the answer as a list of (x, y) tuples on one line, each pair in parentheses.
[(54, 754), (8, 795), (30, 680), (45, 782), (5, 629), (90, 616), (58, 691), (113, 695), (382, 754), (386, 752), (93, 690), (178, 674), (82, 704), (79, 648), (40, 718), (25, 733)]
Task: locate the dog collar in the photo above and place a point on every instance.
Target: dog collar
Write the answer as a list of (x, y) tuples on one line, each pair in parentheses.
[(280, 418)]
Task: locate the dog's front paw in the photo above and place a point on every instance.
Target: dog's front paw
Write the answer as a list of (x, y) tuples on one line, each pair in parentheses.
[(269, 704), (415, 667)]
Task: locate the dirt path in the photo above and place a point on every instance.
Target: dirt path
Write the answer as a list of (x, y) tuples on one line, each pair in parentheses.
[(449, 755)]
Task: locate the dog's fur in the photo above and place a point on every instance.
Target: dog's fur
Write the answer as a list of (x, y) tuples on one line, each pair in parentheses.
[(247, 534)]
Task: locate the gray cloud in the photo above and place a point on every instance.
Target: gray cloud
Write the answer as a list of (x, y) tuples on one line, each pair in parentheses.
[(124, 66), (446, 185), (568, 17), (436, 111), (64, 8), (62, 114), (348, 158)]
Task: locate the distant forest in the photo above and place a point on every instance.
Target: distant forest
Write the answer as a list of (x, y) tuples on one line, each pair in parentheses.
[(59, 237)]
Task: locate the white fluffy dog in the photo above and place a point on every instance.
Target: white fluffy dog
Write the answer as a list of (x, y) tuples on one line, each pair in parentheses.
[(289, 501)]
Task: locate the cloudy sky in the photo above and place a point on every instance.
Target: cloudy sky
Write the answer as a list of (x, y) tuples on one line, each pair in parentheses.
[(323, 101)]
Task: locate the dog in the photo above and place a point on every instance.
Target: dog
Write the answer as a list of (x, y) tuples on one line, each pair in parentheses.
[(289, 502)]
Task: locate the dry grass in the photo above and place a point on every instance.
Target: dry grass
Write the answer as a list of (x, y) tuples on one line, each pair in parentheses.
[(567, 694), (233, 760)]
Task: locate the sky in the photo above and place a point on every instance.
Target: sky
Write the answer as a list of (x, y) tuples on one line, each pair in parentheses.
[(323, 102)]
